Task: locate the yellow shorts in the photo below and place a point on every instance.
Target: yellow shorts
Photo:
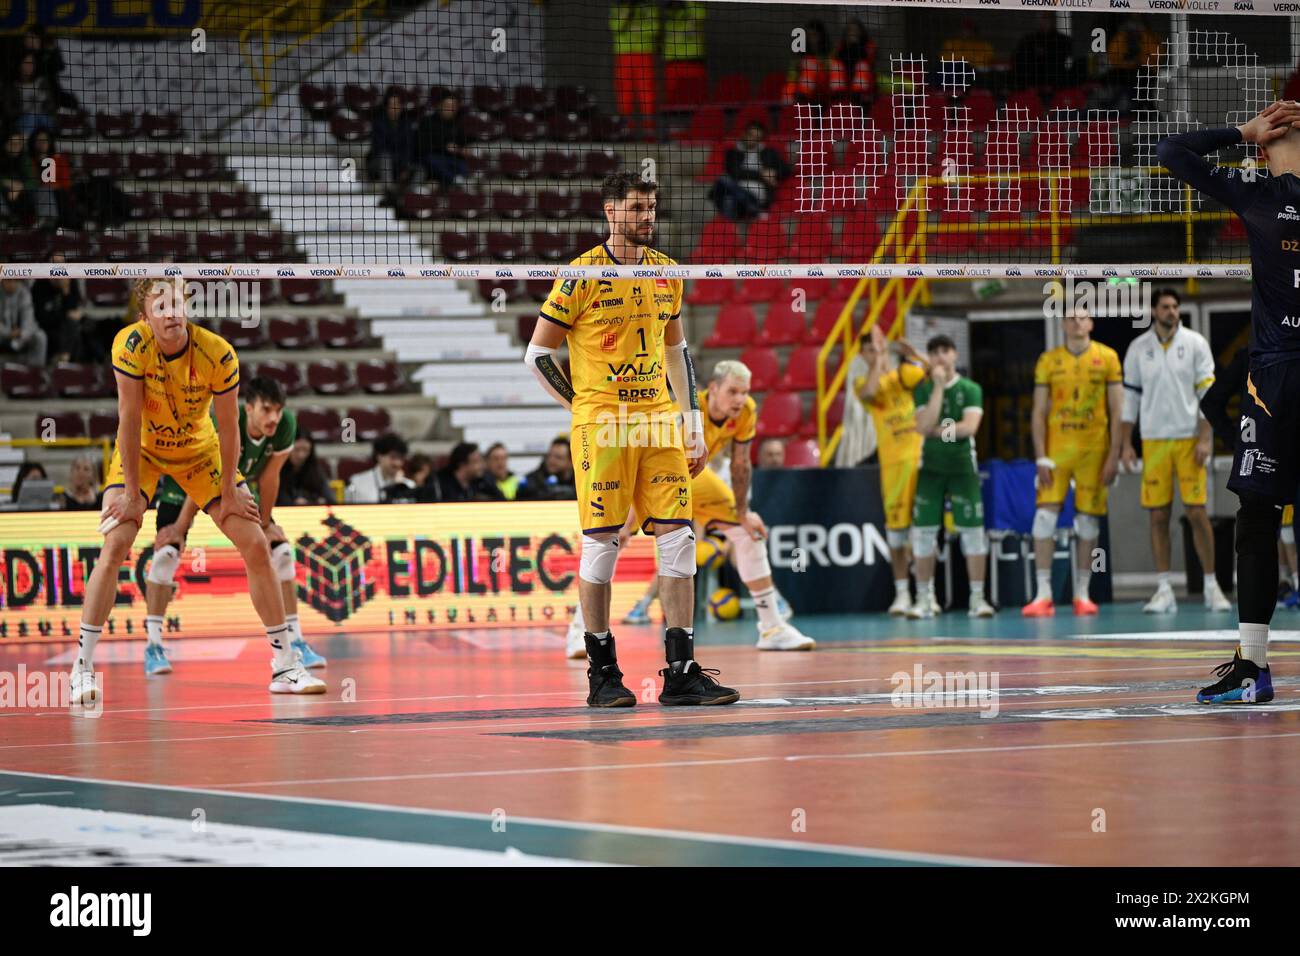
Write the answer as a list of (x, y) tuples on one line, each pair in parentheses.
[(898, 490), (1288, 516), (1083, 464), (1162, 458), (712, 502), (199, 476), (614, 478)]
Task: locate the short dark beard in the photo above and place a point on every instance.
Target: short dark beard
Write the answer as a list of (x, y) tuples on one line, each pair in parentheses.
[(630, 234)]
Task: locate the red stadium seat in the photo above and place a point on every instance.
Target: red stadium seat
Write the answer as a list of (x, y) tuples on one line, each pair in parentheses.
[(380, 377), (801, 371), (347, 127), (754, 291), (160, 125), (708, 125), (303, 291), (216, 246), (504, 246), (75, 380), (782, 325), (60, 424), (141, 206), (147, 165), (610, 128), (422, 204), (264, 246), (317, 100), (568, 128), (177, 205), (328, 377), (600, 163), (560, 164), (538, 289), (243, 338), (764, 367), (361, 99), (341, 333), (734, 328), (710, 291), (101, 165), (557, 203), (481, 127), (780, 415), (168, 246), (223, 204), (812, 238), (574, 99), (22, 381), (102, 424), (1070, 98), (803, 453), (514, 164), (525, 325), (289, 375), (824, 319), (120, 247), (530, 99), (834, 415), (591, 204), (732, 88), (860, 236), (489, 99), (525, 128), (718, 243), (115, 125), (753, 113), (291, 333), (982, 108), (73, 246), (71, 123), (552, 246), (1028, 100), (370, 421), (766, 241), (22, 246), (512, 203), (463, 204), (771, 88), (352, 465), (107, 293), (459, 246)]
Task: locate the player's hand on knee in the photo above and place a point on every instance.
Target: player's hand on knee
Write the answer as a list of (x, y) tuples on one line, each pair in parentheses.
[(169, 535), (275, 534), (753, 524), (239, 504), (124, 508)]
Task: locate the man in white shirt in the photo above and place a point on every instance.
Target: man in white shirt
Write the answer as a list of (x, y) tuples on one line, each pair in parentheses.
[(367, 487), (1167, 370)]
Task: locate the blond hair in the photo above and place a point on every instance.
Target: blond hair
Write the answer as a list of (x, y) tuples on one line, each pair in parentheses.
[(731, 368)]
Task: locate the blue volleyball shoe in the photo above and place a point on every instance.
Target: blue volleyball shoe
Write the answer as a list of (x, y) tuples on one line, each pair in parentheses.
[(1241, 682), (155, 660)]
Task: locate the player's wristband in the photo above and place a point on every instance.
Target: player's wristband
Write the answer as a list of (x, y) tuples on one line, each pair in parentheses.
[(1046, 462), (694, 427)]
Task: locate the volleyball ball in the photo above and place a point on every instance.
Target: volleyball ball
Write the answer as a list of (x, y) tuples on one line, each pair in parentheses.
[(725, 604), (708, 553)]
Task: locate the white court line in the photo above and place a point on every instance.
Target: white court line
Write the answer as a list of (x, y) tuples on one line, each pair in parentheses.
[(720, 838), (578, 695), (532, 771), (1223, 637)]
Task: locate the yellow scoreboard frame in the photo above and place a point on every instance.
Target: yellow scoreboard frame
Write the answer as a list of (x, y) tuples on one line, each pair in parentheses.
[(359, 568)]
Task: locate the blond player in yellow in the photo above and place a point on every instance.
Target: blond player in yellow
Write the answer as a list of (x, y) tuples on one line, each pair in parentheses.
[(730, 417), (169, 373), (626, 347), (1078, 398), (887, 394)]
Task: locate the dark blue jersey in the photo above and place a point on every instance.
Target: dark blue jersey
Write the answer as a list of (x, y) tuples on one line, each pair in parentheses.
[(1269, 206)]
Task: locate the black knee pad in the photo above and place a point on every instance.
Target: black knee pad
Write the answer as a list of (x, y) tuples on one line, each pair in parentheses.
[(1258, 521)]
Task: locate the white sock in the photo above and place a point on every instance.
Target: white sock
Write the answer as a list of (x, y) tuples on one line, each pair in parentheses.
[(1254, 643), (765, 605), (1081, 582), (279, 637), (602, 636), (1162, 580), (976, 592), (900, 588), (86, 641), (1044, 585), (924, 587), (153, 625), (1295, 581), (295, 631)]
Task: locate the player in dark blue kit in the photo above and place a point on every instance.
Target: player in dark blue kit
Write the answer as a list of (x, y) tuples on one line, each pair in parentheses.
[(1266, 466)]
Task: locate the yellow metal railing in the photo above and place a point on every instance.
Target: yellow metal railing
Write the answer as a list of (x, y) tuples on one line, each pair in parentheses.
[(879, 291), (105, 447), (302, 19)]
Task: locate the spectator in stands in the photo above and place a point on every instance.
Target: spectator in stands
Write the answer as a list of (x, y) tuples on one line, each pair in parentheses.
[(20, 336), (771, 453), (1128, 50), (53, 193), (635, 28), (82, 492), (458, 481), (1044, 60), (17, 182), (754, 171), (853, 68), (969, 46), (372, 487), (49, 61), (441, 142), (302, 479), (391, 160), (553, 479), (29, 100), (58, 307), (30, 470), (498, 474), (686, 77), (810, 76)]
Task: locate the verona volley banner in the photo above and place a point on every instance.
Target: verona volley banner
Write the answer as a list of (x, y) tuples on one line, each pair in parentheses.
[(359, 568)]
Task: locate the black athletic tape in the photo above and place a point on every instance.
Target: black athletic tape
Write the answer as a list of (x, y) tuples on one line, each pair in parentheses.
[(690, 380), (547, 365)]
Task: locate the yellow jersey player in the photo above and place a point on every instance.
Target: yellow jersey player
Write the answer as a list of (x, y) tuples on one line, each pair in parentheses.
[(1078, 398), (169, 373), (887, 395), (626, 346), (730, 418)]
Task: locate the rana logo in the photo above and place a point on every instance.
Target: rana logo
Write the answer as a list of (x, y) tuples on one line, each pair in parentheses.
[(609, 273), (713, 273), (816, 274), (1109, 273), (916, 272), (1203, 273), (285, 273), (171, 271), (58, 273), (396, 274)]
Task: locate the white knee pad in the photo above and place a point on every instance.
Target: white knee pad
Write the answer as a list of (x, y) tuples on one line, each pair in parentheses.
[(897, 537), (751, 555), (677, 553), (1044, 523), (1288, 535), (599, 555), (925, 541), (162, 569), (974, 542), (282, 561), (1087, 527)]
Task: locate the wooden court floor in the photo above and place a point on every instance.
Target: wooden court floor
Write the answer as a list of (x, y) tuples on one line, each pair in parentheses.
[(1083, 745)]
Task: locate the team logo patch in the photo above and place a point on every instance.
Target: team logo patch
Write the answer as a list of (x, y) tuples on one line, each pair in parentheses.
[(132, 341), (609, 341), (567, 287)]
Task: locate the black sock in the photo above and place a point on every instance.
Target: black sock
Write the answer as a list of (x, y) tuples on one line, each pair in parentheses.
[(600, 650), (1256, 543), (679, 647)]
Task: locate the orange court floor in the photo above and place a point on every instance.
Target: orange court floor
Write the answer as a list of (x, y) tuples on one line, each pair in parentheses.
[(1062, 741)]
